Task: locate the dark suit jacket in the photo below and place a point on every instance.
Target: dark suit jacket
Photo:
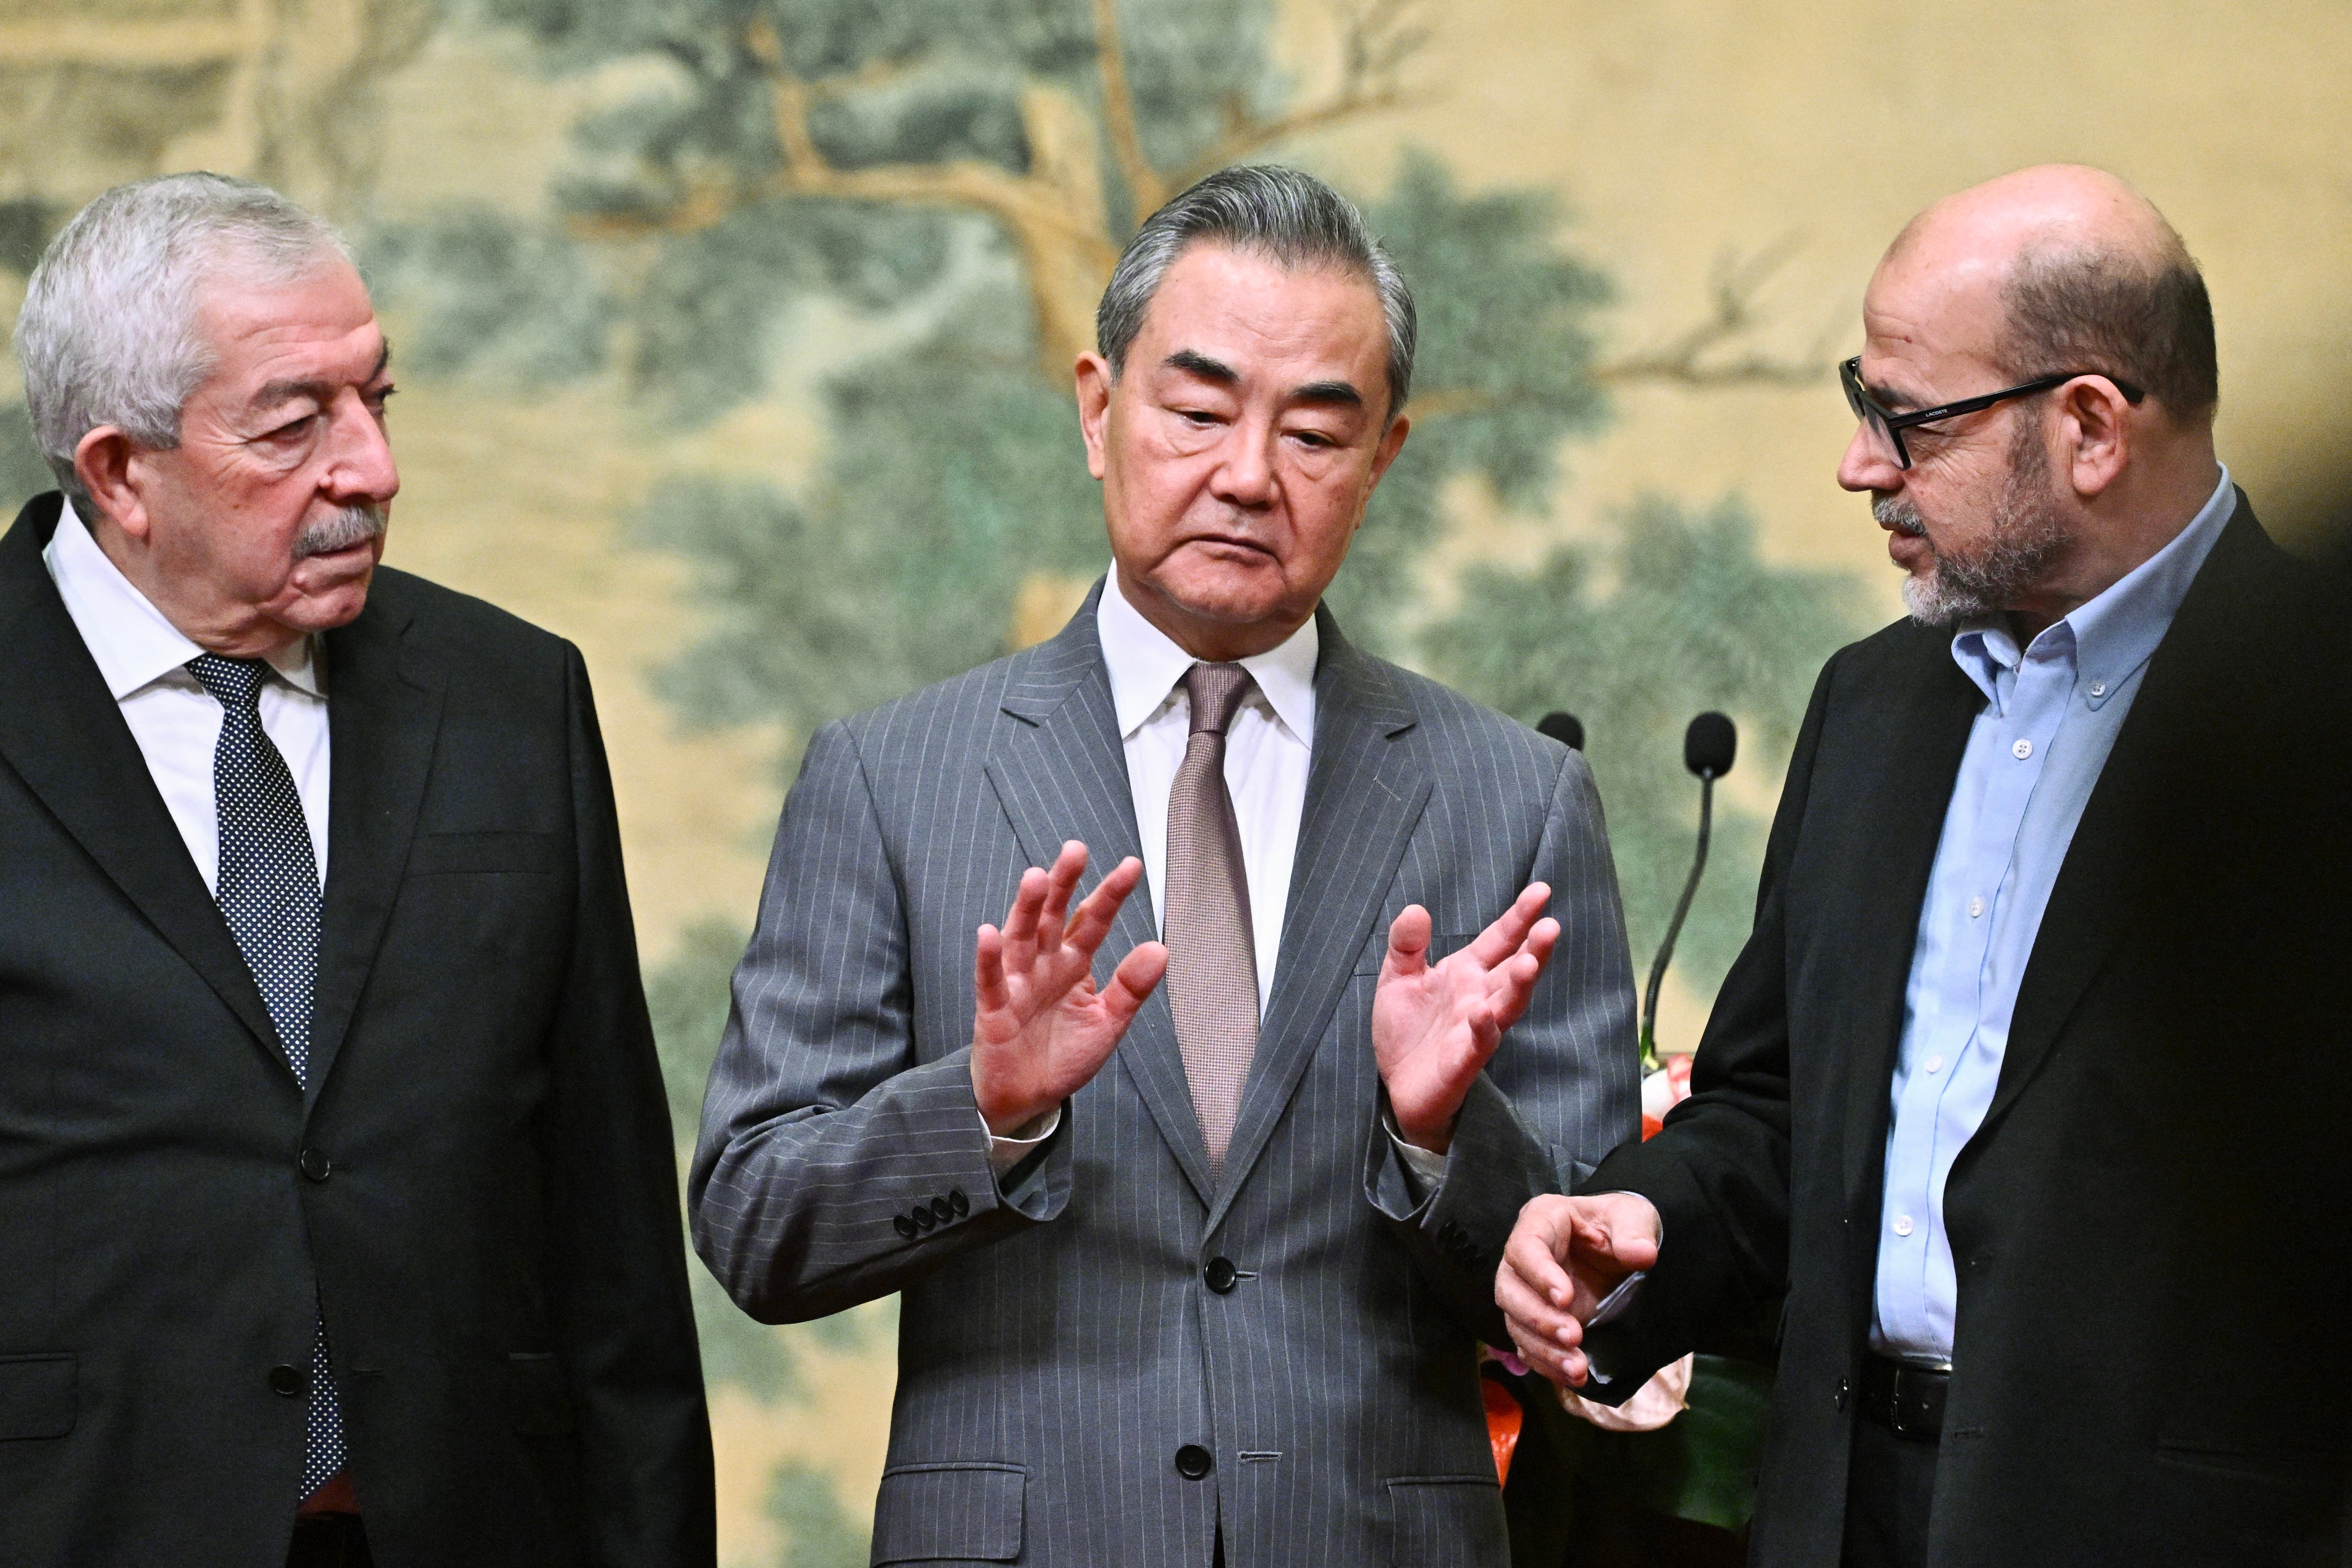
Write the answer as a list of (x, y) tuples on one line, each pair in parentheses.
[(2151, 1226), (1303, 1325), (495, 1241)]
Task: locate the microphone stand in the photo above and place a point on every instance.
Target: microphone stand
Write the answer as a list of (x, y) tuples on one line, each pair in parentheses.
[(1674, 926)]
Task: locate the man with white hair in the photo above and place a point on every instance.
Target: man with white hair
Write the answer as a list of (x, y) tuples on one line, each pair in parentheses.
[(337, 1194)]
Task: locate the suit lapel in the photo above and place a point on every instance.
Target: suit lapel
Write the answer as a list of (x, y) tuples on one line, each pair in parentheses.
[(63, 732), (2102, 885), (383, 716), (1059, 770), (1365, 792), (1918, 733)]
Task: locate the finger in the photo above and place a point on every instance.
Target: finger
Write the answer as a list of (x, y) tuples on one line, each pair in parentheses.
[(1512, 985), (1132, 981), (1538, 1246), (1408, 944), (1502, 938), (1617, 1233), (1547, 1360), (1529, 1312), (1093, 922), (1060, 883), (988, 972), (1021, 920)]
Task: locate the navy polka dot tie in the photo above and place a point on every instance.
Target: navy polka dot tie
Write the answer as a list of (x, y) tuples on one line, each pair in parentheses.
[(268, 892)]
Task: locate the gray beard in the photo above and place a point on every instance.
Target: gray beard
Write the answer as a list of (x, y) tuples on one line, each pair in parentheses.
[(2027, 538), (351, 525)]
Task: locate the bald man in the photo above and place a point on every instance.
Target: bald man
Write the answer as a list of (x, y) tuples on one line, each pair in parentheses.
[(2029, 1092)]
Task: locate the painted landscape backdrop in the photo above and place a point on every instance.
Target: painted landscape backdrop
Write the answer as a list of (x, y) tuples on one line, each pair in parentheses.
[(734, 341)]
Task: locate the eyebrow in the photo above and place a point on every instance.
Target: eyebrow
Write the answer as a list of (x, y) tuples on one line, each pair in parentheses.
[(274, 393), (1342, 393), (1191, 361)]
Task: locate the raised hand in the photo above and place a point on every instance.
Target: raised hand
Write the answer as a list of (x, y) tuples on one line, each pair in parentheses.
[(1434, 1025), (1564, 1256), (1040, 1030)]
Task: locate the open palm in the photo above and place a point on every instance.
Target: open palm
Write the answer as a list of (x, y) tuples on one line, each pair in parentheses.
[(1040, 1029), (1434, 1025)]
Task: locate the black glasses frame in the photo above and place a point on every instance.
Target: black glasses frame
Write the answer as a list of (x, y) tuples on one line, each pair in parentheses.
[(1891, 425)]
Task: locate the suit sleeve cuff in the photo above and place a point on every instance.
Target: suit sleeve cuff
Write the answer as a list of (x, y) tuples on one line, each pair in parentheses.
[(1006, 1152)]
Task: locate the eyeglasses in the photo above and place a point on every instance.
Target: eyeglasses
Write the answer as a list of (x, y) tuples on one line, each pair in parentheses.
[(1890, 424)]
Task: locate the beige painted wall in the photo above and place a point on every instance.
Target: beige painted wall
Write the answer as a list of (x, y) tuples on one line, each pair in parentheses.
[(1675, 133)]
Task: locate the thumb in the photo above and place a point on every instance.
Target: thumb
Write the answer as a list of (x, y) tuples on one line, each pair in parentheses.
[(1408, 944)]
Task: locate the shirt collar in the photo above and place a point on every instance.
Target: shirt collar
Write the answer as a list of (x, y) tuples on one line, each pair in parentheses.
[(1145, 665), (132, 644), (2113, 635)]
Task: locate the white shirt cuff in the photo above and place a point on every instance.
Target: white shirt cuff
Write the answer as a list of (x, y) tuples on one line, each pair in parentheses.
[(1003, 1153), (1425, 1170)]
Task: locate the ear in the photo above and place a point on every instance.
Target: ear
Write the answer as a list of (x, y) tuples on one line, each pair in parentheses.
[(2095, 432), (109, 465), (1095, 383), (1392, 443)]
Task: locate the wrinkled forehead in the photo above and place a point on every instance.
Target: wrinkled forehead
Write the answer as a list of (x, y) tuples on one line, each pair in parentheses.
[(1933, 310), (320, 319)]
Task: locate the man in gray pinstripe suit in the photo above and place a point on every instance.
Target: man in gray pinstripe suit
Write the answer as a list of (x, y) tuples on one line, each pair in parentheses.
[(1215, 1297)]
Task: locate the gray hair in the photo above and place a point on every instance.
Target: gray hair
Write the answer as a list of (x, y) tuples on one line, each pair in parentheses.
[(1289, 217), (108, 334), (2138, 319)]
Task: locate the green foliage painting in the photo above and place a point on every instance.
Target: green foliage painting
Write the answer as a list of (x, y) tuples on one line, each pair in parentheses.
[(952, 181), (956, 177)]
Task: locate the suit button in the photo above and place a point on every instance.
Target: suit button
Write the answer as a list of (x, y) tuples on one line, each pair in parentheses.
[(922, 1218), (943, 1211), (1221, 1275), (315, 1165), (286, 1381), (958, 1201), (904, 1226), (1192, 1461), (1844, 1388)]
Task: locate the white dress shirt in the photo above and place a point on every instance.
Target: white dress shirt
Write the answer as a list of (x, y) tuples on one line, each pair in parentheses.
[(177, 724), (1267, 747)]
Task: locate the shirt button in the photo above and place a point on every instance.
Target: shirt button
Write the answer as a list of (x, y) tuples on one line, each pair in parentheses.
[(2098, 688), (1976, 909), (1935, 1064), (1903, 1225), (2022, 750)]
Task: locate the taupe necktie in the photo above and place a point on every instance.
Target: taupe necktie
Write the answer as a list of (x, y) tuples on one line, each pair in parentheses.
[(1212, 960)]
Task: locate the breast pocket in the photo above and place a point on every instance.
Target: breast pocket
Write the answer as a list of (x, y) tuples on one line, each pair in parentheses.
[(451, 854), (1447, 1521)]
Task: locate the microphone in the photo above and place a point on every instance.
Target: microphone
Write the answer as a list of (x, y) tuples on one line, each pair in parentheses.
[(1565, 728), (1709, 747)]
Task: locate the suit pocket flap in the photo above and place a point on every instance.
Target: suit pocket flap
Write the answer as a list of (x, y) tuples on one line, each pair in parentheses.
[(438, 853), (37, 1396), (541, 1396), (1447, 1521), (961, 1513)]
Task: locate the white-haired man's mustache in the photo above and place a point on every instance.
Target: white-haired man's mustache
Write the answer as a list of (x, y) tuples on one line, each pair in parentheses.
[(352, 525), (1899, 515)]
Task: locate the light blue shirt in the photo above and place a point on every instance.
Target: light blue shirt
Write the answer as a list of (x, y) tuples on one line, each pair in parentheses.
[(2051, 712)]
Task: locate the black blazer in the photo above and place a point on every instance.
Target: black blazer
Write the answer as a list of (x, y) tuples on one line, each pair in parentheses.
[(495, 1235), (2151, 1227)]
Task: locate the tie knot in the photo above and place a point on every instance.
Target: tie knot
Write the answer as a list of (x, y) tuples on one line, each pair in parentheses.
[(235, 683), (1215, 692)]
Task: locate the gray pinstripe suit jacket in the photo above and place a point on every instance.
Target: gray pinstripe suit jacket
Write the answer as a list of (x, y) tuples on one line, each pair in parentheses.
[(1060, 1338)]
